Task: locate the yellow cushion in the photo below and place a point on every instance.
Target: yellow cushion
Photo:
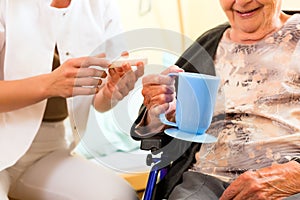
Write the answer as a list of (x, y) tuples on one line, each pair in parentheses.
[(137, 180)]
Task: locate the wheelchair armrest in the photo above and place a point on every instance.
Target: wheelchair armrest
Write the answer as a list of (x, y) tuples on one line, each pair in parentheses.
[(149, 141), (155, 143)]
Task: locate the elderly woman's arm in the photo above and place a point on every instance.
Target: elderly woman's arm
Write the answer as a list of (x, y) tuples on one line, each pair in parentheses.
[(275, 182)]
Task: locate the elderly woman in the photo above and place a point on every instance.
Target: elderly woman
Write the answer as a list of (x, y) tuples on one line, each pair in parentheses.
[(257, 152)]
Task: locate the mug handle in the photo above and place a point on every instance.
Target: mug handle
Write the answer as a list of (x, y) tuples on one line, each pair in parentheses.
[(162, 116), (165, 121)]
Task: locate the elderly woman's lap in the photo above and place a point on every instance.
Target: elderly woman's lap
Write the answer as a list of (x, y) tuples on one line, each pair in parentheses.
[(197, 186), (294, 197)]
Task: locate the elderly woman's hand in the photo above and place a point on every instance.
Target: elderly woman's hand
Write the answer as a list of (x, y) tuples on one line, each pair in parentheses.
[(275, 182), (159, 92)]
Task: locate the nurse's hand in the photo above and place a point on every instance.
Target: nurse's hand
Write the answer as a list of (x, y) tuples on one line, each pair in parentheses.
[(76, 76), (119, 82)]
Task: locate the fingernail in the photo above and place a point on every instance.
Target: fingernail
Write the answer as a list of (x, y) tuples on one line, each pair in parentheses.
[(139, 64), (104, 74), (125, 54), (112, 66)]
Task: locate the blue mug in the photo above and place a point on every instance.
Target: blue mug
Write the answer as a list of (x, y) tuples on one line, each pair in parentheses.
[(196, 97)]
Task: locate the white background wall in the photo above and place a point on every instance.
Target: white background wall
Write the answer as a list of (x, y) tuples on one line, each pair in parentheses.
[(197, 15)]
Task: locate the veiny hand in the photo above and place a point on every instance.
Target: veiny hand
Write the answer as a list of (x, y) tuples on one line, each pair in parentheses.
[(275, 182), (76, 77), (159, 92)]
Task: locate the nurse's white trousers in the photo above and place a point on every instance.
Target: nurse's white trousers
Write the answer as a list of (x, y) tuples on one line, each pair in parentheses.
[(48, 172)]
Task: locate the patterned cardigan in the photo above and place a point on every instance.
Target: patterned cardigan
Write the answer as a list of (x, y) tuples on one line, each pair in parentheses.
[(197, 58)]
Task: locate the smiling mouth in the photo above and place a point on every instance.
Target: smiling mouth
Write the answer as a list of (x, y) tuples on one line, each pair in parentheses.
[(247, 12)]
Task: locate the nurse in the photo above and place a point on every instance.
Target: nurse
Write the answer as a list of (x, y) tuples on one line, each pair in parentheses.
[(45, 77)]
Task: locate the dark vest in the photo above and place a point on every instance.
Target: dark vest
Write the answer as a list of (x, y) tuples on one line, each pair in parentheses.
[(56, 108)]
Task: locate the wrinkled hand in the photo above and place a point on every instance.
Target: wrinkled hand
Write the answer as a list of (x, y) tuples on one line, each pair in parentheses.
[(159, 92), (76, 77), (275, 182)]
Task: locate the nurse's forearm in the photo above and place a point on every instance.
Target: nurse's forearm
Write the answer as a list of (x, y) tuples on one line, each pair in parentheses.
[(102, 103), (17, 94)]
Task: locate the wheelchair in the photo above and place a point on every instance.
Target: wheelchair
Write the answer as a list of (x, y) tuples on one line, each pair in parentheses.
[(169, 158)]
